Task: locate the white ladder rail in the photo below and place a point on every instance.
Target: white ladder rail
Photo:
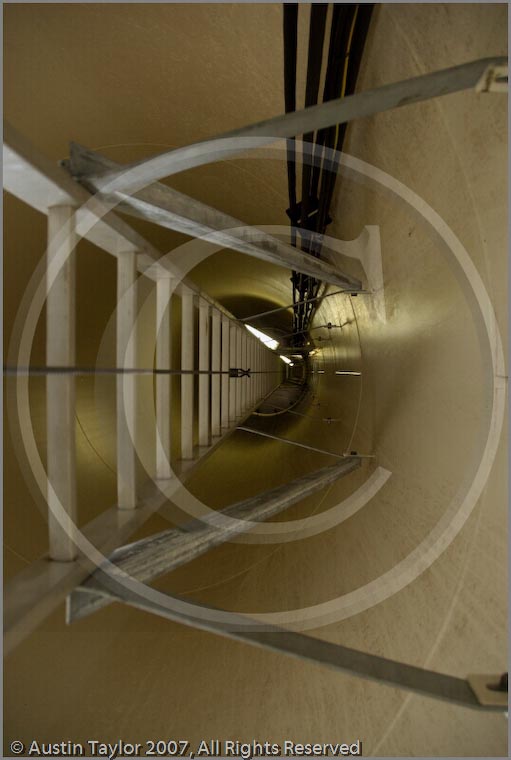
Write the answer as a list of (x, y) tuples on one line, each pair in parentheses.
[(126, 353), (204, 380), (164, 288), (216, 354), (187, 381), (225, 381), (60, 389)]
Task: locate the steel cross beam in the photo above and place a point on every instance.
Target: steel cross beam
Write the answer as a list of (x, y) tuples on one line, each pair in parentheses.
[(481, 75), (168, 208), (159, 554), (476, 692)]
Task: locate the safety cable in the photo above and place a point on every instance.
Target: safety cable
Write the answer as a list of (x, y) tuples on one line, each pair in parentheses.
[(35, 371)]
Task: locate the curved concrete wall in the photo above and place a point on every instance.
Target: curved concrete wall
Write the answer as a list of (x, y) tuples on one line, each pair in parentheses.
[(420, 404)]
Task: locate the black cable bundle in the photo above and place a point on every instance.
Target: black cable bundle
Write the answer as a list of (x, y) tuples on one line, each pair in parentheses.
[(348, 33)]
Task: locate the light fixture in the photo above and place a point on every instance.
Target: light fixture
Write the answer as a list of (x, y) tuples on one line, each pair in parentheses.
[(346, 372), (273, 344), (285, 359)]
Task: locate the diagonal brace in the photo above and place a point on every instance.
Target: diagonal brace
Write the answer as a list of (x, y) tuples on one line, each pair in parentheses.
[(476, 693), (159, 554), (168, 208), (474, 75)]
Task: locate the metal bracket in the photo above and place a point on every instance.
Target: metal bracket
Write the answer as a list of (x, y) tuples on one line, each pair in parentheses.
[(489, 690), (494, 79)]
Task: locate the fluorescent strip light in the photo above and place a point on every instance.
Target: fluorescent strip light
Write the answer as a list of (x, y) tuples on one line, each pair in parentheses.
[(346, 372), (273, 344), (285, 359)]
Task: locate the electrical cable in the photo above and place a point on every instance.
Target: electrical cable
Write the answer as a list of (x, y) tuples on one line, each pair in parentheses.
[(348, 33), (290, 24)]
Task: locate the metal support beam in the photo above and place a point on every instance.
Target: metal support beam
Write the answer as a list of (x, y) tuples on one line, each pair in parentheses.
[(340, 111), (60, 390), (350, 662), (168, 208), (159, 554)]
